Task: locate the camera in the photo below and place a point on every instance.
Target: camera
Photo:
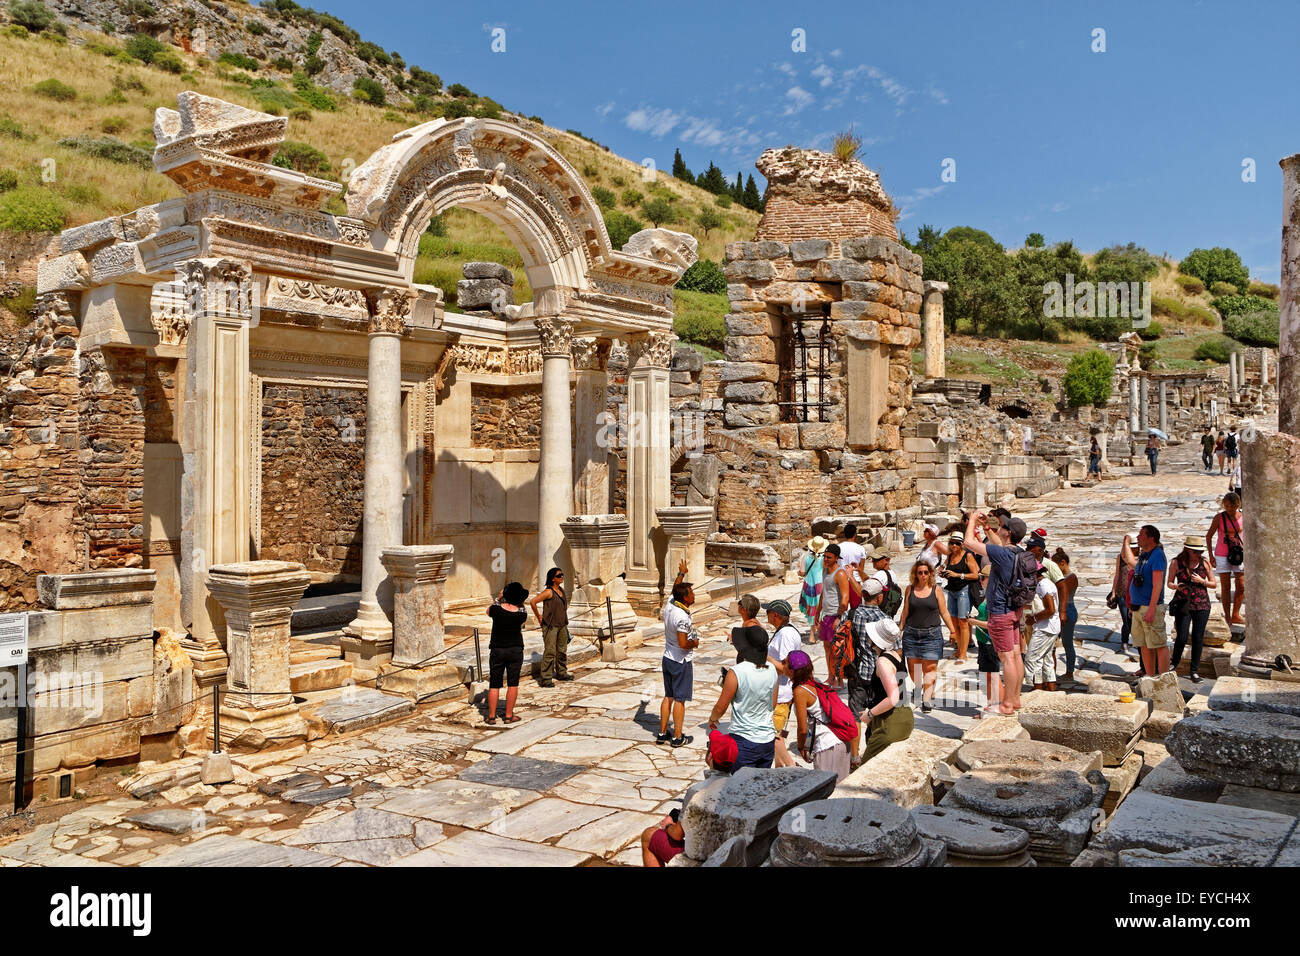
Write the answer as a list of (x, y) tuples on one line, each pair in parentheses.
[(722, 677), (1139, 580)]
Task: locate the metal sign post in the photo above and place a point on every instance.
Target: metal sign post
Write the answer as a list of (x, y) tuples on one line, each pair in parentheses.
[(13, 653)]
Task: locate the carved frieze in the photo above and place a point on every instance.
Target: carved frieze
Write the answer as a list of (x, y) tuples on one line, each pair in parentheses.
[(218, 288), (296, 295), (168, 314)]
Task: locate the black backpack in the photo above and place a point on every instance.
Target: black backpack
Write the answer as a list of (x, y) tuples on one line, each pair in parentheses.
[(1230, 446), (1024, 580), (893, 598)]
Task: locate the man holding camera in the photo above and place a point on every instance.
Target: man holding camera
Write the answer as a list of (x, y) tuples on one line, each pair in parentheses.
[(1146, 598)]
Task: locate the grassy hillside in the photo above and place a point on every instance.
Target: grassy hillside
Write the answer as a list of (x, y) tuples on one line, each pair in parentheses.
[(78, 149)]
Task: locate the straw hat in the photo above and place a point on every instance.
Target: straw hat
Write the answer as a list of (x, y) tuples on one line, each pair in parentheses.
[(817, 544), (1194, 542)]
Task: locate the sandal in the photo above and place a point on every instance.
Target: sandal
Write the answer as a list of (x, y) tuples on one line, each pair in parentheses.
[(512, 719), (489, 720)]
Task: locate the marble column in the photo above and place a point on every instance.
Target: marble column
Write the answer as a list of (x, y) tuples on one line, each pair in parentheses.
[(687, 530), (369, 640), (648, 432), (555, 471), (1103, 441), (591, 444), (218, 307), (1144, 403), (1133, 398), (1263, 368), (1234, 380), (418, 573), (1164, 407), (932, 309), (258, 599)]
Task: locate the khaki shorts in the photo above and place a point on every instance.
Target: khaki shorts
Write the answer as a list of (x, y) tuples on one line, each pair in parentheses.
[(780, 716), (1149, 635)]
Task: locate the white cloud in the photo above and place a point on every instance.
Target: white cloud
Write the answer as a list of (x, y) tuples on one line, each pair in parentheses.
[(908, 201), (798, 98), (701, 131), (605, 109), (657, 122), (787, 69), (825, 75)]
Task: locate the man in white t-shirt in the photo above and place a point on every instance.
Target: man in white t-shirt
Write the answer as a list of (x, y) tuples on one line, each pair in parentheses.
[(785, 638), (852, 554), (1040, 658), (680, 642)]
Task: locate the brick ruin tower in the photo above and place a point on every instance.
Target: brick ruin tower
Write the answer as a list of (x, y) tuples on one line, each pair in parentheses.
[(824, 313)]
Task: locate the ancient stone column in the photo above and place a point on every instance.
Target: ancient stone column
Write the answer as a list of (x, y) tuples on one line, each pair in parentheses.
[(932, 313), (258, 599), (648, 420), (1263, 368), (555, 471), (1288, 379), (369, 640), (418, 573), (598, 550), (687, 530), (1133, 415), (1164, 407), (1144, 404), (1103, 441), (1234, 380), (592, 442), (217, 309)]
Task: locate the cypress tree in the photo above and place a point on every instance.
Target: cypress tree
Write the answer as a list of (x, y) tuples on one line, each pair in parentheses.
[(752, 199), (679, 168)]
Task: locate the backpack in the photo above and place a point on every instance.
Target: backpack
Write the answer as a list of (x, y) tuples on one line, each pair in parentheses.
[(1230, 446), (1236, 553), (893, 598), (1024, 581), (838, 716)]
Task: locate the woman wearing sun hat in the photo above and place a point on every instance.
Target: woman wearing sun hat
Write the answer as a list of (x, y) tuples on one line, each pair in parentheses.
[(1191, 576), (890, 719), (810, 597)]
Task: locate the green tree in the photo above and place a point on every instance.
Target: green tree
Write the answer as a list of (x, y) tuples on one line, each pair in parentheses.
[(712, 180), (1215, 265), (1130, 263), (738, 190), (679, 168), (1088, 379), (605, 198), (1034, 268), (658, 210), (368, 90), (35, 16), (982, 289), (703, 276), (621, 227), (927, 239), (142, 47), (751, 199), (708, 220), (1035, 240)]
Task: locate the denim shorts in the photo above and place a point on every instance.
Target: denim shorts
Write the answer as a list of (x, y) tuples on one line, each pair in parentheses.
[(923, 643), (959, 603), (679, 679), (750, 754)]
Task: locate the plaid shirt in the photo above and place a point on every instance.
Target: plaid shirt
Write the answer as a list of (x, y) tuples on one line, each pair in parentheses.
[(864, 651)]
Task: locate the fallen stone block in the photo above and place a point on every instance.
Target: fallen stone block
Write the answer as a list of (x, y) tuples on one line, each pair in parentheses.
[(731, 853), (1058, 808), (1264, 696), (1257, 798), (902, 772), (1121, 781), (1254, 749), (750, 803), (1164, 693), (852, 832), (1085, 722), (1159, 724), (996, 728), (217, 769), (1034, 753), (973, 840), (1108, 686), (1168, 825), (1170, 780)]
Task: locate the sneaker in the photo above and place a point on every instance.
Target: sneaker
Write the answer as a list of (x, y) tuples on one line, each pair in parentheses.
[(927, 706), (564, 677), (1195, 678), (681, 741), (663, 738), (546, 683)]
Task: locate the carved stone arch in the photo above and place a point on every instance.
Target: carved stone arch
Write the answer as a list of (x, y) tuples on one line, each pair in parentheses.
[(503, 172)]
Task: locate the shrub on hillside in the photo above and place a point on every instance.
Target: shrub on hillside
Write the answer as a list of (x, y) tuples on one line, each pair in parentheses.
[(605, 198), (702, 323), (239, 60), (34, 15), (1183, 311), (300, 113), (303, 157), (1153, 330), (31, 209), (256, 27), (115, 97), (704, 275), (169, 61), (273, 98), (314, 96), (18, 31), (113, 150), (1253, 328), (142, 47), (11, 128), (1222, 288), (283, 64), (1088, 378), (1265, 290), (455, 109), (1213, 350), (54, 90), (129, 83), (1242, 304), (632, 197), (658, 211), (722, 201), (368, 90), (1215, 265), (1190, 284), (8, 180), (621, 227), (113, 124), (488, 110)]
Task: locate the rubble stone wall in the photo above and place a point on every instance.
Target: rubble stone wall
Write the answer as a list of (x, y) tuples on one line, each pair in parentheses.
[(112, 410), (506, 416)]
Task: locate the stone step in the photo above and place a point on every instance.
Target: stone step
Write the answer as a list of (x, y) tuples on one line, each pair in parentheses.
[(305, 652), (318, 675)]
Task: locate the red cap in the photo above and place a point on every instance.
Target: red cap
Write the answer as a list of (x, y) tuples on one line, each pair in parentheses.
[(723, 749), (1041, 532)]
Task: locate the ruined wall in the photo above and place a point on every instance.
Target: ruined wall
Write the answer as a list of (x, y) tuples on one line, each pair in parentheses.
[(813, 195), (505, 416), (313, 477), (112, 410), (40, 518)]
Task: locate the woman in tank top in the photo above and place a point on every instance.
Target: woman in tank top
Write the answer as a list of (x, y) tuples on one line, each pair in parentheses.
[(889, 718), (822, 748), (922, 635)]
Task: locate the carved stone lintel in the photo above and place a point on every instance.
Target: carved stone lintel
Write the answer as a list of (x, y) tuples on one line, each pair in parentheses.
[(556, 336), (590, 354), (295, 295), (389, 310), (650, 349)]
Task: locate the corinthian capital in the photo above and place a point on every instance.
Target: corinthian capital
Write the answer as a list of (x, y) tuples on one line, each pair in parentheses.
[(556, 335), (650, 349), (389, 310), (590, 354), (217, 287)]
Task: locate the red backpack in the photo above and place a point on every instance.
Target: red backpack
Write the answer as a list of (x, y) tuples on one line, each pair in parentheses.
[(838, 716)]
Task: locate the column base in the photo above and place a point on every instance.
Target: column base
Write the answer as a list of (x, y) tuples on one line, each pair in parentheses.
[(247, 730), (431, 682), (210, 662), (366, 652)]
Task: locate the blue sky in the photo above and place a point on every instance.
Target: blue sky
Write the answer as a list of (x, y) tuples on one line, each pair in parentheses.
[(1143, 142)]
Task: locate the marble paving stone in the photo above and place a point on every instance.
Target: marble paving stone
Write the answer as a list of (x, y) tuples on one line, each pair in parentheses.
[(477, 849), (623, 729), (528, 732), (604, 790), (546, 819), (363, 707), (629, 857), (361, 824), (315, 797), (226, 850), (611, 833), (615, 700), (459, 803), (381, 852), (585, 750), (170, 820), (507, 770), (600, 678)]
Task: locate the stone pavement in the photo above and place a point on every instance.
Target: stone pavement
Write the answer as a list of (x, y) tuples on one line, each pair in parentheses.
[(580, 776)]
